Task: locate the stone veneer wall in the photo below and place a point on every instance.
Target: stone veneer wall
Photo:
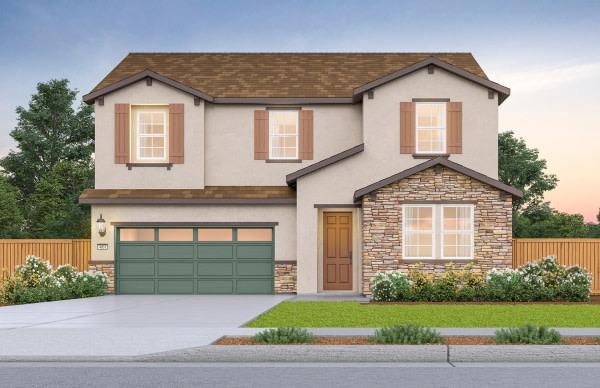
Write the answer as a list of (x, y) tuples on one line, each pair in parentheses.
[(382, 221), (285, 278), (109, 269)]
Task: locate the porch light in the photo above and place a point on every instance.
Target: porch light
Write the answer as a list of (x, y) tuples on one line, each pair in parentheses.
[(101, 225)]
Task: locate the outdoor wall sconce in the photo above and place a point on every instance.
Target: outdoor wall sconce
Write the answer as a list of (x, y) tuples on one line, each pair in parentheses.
[(101, 225)]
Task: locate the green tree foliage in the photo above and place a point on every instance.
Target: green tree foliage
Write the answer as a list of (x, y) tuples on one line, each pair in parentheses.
[(52, 162), (53, 209), (11, 218), (520, 166)]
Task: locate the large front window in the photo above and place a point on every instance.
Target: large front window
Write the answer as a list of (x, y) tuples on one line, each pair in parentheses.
[(150, 141), (431, 127), (283, 134), (442, 231)]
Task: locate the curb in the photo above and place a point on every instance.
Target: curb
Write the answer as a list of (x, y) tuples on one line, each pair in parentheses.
[(305, 353), (350, 354), (524, 353)]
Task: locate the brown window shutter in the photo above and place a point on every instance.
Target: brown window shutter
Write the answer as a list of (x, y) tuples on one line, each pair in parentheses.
[(305, 151), (454, 127), (261, 135), (407, 128), (176, 133), (121, 133)]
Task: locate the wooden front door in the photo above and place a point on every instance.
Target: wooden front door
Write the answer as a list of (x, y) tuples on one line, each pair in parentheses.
[(337, 251)]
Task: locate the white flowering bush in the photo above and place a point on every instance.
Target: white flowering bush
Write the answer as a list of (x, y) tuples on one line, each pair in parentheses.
[(36, 281), (544, 280)]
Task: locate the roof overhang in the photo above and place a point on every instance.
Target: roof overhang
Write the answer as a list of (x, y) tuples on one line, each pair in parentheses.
[(358, 194), (503, 91), (294, 176)]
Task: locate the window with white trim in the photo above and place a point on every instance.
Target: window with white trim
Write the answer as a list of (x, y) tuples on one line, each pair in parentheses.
[(283, 134), (431, 127), (150, 135), (444, 231)]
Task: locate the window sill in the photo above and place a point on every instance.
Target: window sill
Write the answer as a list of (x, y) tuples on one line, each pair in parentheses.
[(429, 156), (283, 161), (437, 261), (166, 165)]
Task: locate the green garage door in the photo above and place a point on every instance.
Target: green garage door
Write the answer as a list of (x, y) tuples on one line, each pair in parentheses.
[(194, 260)]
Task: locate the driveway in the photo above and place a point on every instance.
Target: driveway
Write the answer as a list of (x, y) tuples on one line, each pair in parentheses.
[(119, 325)]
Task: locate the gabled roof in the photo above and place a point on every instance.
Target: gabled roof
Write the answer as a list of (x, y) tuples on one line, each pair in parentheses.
[(282, 77), (431, 163), (213, 195), (294, 176)]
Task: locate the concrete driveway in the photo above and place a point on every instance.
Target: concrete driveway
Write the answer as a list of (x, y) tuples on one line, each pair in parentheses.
[(118, 325)]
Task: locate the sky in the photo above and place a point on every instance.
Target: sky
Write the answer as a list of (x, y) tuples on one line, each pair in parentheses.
[(547, 52)]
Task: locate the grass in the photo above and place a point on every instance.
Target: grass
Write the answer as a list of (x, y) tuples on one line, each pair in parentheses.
[(353, 314)]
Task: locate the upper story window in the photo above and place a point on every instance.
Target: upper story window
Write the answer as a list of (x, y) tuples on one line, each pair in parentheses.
[(150, 133), (438, 232), (431, 128), (283, 134)]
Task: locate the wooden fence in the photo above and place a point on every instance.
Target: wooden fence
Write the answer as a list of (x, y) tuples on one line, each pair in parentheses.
[(576, 251), (584, 252), (58, 252)]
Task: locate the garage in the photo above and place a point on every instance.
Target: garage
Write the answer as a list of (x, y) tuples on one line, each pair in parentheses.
[(178, 259)]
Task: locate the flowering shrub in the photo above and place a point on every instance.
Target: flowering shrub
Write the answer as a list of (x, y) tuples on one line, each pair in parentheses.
[(545, 280), (35, 281)]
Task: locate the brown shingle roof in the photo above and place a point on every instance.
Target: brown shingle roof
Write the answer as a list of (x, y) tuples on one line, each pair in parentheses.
[(208, 195), (280, 75)]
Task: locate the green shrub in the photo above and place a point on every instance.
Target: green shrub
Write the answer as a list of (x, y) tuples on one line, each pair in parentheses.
[(528, 334), (35, 282), (545, 280), (406, 334), (283, 335)]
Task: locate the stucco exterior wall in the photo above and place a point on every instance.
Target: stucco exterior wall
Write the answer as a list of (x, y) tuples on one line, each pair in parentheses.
[(381, 158), (189, 175), (285, 232), (382, 222), (230, 143)]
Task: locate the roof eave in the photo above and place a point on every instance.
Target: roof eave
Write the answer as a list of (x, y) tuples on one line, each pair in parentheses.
[(503, 91), (358, 194)]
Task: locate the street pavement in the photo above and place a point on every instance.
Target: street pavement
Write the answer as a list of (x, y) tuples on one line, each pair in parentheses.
[(297, 375)]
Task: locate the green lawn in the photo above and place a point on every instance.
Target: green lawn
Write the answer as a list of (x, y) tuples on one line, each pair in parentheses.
[(353, 314)]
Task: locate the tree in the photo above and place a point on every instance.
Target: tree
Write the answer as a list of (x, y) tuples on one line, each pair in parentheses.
[(53, 208), (53, 162), (11, 219), (48, 132), (539, 221), (520, 166)]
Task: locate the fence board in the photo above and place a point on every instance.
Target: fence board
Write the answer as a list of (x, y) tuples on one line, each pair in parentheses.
[(584, 252), (75, 252)]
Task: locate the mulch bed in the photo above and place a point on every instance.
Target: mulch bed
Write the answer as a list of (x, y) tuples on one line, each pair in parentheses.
[(450, 340)]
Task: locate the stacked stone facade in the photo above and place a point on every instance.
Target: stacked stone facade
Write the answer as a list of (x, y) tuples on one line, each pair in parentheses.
[(285, 278), (382, 222), (109, 269)]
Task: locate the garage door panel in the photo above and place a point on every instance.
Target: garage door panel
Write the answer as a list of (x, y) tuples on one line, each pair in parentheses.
[(215, 268), (136, 268), (215, 251), (136, 286), (175, 268), (253, 268), (136, 251), (254, 286), (254, 251), (215, 286), (176, 251), (175, 286)]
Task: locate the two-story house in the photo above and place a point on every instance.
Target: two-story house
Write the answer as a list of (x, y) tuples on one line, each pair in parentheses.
[(294, 172)]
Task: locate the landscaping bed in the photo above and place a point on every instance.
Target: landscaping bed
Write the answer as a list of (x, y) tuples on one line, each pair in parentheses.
[(447, 340)]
